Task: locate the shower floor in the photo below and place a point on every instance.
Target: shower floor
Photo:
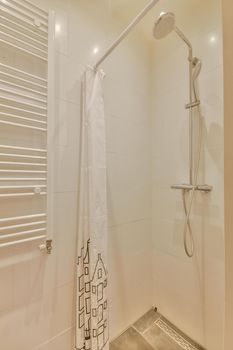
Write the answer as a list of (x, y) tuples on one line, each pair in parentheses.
[(153, 332)]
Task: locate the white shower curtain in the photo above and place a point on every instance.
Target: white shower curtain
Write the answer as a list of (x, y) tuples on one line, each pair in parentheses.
[(92, 303)]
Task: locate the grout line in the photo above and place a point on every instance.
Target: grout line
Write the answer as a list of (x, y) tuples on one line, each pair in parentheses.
[(54, 337), (154, 323), (119, 334), (130, 222), (141, 334), (125, 330)]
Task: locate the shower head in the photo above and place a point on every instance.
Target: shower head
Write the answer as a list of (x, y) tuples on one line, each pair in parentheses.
[(164, 25)]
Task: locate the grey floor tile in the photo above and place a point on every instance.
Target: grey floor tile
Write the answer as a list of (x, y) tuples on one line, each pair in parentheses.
[(160, 340), (130, 340), (146, 320)]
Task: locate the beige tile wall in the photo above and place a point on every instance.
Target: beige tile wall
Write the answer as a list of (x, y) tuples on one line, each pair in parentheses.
[(37, 292), (227, 7), (190, 293)]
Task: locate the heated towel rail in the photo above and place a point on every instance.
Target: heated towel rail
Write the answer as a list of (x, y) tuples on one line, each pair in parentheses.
[(26, 118)]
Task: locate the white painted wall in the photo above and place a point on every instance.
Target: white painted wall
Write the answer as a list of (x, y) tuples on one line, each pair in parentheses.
[(190, 293), (37, 302)]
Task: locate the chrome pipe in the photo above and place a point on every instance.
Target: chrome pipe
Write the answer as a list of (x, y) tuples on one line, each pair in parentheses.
[(191, 102), (126, 31), (187, 42), (192, 105), (189, 187)]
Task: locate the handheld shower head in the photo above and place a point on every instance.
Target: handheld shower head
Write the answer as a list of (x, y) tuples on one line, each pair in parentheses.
[(164, 25), (197, 68)]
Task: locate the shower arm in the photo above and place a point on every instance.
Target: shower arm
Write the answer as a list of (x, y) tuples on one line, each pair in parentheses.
[(187, 42)]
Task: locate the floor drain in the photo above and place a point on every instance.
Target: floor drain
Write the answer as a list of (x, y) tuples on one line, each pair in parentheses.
[(173, 334)]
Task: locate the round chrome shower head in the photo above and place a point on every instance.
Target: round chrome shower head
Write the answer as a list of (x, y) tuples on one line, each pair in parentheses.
[(164, 25)]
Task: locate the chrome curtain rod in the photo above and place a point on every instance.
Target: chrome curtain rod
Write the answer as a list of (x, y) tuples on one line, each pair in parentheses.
[(126, 31)]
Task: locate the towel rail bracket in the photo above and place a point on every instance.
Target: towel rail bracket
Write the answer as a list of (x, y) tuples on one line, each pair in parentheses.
[(46, 246)]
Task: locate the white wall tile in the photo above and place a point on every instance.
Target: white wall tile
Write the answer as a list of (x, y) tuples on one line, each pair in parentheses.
[(67, 124), (65, 169), (50, 272), (67, 78), (61, 31), (6, 290), (130, 270), (128, 188), (62, 341), (29, 326)]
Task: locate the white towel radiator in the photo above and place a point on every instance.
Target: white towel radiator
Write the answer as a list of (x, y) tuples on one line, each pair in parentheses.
[(26, 124)]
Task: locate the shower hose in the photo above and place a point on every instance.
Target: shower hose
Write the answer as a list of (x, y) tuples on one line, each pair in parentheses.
[(189, 248)]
